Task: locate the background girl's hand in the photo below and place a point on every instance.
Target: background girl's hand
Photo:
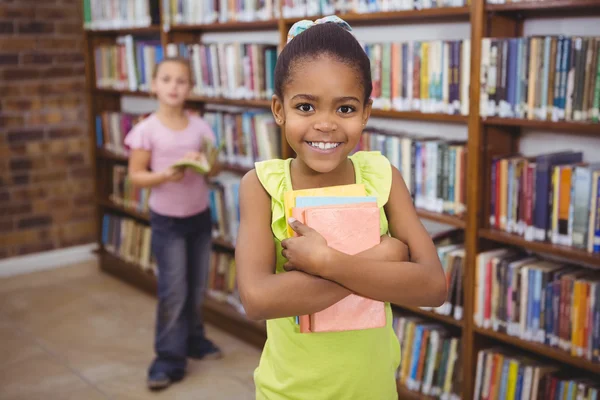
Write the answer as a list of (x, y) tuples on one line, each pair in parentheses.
[(306, 252), (173, 174), (193, 155)]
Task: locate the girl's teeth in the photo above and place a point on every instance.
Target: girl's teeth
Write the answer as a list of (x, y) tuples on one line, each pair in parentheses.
[(323, 145)]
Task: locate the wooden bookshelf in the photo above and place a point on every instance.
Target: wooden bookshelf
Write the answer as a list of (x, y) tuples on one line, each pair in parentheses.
[(487, 137), (144, 30), (572, 254), (559, 356)]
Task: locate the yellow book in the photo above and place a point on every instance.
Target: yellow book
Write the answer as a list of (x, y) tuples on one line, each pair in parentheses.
[(513, 371), (289, 200)]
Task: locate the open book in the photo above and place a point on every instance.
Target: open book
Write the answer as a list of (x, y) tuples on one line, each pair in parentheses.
[(206, 161)]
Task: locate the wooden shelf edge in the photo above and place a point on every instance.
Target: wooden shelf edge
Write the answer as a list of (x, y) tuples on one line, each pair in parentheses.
[(431, 315), (406, 394), (437, 13), (539, 7), (575, 127), (226, 26), (570, 253), (543, 350), (419, 116), (124, 31), (442, 218)]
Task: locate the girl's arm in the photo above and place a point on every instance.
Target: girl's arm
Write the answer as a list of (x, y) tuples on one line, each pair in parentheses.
[(418, 282), (264, 294), (140, 176)]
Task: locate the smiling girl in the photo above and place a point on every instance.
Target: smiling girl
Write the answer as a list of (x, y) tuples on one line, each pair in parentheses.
[(322, 103)]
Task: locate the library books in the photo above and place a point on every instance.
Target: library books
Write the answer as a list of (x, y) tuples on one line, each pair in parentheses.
[(224, 206), (553, 78), (245, 137), (550, 197), (230, 70), (222, 282), (503, 374), (548, 302), (423, 76), (431, 357), (125, 194), (191, 12), (128, 240), (119, 14), (433, 169), (128, 64), (111, 129)]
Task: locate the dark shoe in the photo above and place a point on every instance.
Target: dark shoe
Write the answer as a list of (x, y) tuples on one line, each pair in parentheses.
[(206, 350), (159, 381)]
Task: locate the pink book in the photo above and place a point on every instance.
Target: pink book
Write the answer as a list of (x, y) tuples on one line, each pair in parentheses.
[(352, 230)]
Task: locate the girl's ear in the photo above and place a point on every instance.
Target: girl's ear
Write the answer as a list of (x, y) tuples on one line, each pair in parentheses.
[(277, 110), (367, 111)]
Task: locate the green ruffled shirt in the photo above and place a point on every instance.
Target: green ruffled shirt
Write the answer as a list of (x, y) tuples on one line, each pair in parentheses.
[(348, 365)]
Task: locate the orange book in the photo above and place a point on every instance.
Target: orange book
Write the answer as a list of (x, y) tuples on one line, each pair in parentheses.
[(351, 230)]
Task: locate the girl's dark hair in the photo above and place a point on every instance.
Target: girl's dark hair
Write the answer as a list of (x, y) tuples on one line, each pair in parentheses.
[(323, 39)]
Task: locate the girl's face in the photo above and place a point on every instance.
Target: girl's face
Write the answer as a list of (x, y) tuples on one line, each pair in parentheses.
[(172, 83), (323, 112)]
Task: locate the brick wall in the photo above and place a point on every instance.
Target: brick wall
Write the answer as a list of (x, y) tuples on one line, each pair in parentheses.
[(46, 175)]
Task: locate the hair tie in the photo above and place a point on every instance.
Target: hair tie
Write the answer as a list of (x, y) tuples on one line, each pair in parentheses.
[(304, 24)]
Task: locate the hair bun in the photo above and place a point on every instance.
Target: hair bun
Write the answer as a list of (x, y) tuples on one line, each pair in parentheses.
[(304, 24)]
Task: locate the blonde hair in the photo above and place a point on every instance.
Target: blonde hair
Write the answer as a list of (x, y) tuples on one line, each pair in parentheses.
[(179, 60)]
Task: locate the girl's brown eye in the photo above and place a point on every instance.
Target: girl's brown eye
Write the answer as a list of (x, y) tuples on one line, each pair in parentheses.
[(304, 107)]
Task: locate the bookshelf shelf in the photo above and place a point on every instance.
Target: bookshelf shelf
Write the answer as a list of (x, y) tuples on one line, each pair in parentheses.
[(546, 8), (569, 253), (140, 216), (109, 155), (543, 350), (227, 26), (442, 218), (570, 127), (431, 315), (428, 14), (153, 29), (419, 116)]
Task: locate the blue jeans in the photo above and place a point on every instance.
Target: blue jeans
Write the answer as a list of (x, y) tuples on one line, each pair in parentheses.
[(182, 249)]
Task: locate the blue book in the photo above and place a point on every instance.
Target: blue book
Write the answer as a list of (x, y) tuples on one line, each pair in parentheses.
[(315, 201)]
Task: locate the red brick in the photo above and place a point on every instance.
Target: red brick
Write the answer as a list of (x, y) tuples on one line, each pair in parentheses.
[(29, 194), (9, 59), (25, 135), (37, 58), (11, 121), (8, 89), (70, 28), (6, 226), (20, 180), (56, 13), (29, 27), (34, 222), (59, 72), (50, 177), (15, 209), (82, 172), (77, 57), (15, 11), (14, 74), (12, 43), (4, 196), (6, 27), (83, 200), (21, 164), (71, 131), (58, 43), (22, 104), (35, 248)]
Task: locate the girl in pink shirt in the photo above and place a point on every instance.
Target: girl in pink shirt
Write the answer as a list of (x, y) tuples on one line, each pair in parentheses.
[(180, 220)]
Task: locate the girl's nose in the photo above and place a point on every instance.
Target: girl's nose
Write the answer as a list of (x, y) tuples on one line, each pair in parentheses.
[(325, 126)]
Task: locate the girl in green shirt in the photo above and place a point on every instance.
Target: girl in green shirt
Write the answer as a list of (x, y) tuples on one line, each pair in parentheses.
[(322, 103)]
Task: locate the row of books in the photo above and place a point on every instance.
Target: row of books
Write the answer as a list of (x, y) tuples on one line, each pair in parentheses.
[(431, 357), (503, 374), (306, 8), (548, 302), (129, 240), (111, 129), (222, 282), (192, 12), (224, 207), (128, 64), (433, 169), (553, 78), (247, 137), (230, 70), (550, 197), (125, 194), (425, 76), (119, 14)]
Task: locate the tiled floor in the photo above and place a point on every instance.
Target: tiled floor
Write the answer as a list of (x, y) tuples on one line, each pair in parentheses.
[(76, 333)]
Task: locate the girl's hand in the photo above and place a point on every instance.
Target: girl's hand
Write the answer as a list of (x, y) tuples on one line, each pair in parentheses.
[(173, 174), (307, 252)]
